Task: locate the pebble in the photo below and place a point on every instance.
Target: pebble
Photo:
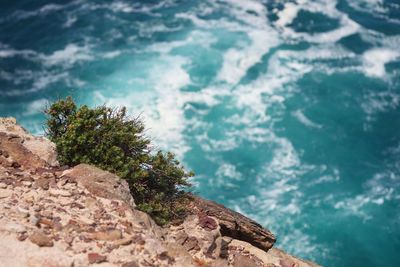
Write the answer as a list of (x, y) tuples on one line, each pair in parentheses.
[(130, 264), (42, 183), (41, 239), (111, 235), (23, 212), (3, 185), (27, 183), (96, 258), (123, 242), (59, 192), (34, 220)]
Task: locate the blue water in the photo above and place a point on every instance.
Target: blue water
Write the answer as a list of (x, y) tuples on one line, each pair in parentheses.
[(288, 111)]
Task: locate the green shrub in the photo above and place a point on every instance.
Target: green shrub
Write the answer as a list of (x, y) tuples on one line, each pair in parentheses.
[(109, 139)]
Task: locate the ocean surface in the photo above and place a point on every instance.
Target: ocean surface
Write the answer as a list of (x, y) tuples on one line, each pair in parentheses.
[(288, 111)]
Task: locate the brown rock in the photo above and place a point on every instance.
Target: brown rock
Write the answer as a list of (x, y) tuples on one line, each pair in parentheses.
[(41, 239), (138, 239), (130, 264), (234, 224), (123, 241), (96, 258), (22, 237), (43, 183), (207, 223), (14, 146)]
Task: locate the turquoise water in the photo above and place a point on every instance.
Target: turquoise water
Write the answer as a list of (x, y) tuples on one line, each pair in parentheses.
[(288, 111)]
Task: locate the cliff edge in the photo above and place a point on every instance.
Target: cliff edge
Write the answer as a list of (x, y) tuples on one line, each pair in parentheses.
[(81, 216)]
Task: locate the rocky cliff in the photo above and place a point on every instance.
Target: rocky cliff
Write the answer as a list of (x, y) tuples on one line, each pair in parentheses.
[(81, 216)]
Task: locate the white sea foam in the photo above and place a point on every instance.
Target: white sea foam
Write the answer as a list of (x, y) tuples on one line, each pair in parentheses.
[(119, 6), (47, 79), (326, 7), (238, 60), (380, 188), (298, 114), (112, 54), (70, 21), (35, 107), (375, 60), (196, 37), (287, 14), (329, 178), (7, 52), (68, 56), (226, 170)]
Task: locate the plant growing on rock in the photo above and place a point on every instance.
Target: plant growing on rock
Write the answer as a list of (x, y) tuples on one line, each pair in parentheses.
[(109, 139)]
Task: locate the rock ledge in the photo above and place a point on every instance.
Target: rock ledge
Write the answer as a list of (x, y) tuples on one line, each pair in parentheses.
[(82, 216)]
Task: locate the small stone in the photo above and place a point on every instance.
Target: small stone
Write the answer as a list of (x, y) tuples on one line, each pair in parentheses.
[(34, 220), (42, 183), (130, 264), (31, 196), (96, 258), (138, 239), (3, 186), (207, 223), (27, 183), (23, 212), (41, 239), (77, 205), (59, 192), (110, 235), (22, 237), (5, 193), (123, 242)]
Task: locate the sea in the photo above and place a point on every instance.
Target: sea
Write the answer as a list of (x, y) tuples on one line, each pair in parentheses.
[(287, 111)]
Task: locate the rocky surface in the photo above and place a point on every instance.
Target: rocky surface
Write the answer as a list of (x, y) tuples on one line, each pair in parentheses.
[(81, 216)]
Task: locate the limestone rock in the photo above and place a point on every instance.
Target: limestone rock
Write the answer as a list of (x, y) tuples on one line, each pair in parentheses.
[(101, 183), (38, 146)]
